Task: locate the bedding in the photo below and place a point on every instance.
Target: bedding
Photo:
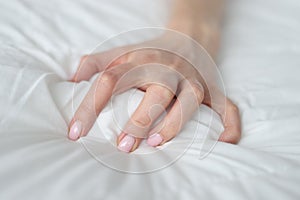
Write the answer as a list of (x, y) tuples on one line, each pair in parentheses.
[(40, 46)]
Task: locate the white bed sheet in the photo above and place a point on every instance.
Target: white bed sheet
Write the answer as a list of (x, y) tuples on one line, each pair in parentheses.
[(41, 42)]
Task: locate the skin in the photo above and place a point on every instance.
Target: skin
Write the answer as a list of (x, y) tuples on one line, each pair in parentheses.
[(198, 19)]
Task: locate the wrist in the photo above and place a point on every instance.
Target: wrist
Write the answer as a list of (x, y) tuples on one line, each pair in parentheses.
[(207, 34)]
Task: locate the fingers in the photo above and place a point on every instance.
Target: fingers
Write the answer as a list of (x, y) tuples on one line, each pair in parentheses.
[(155, 101), (229, 114), (95, 100), (94, 63), (232, 124), (187, 103)]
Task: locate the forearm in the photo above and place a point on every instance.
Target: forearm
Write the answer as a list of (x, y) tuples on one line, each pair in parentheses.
[(200, 19)]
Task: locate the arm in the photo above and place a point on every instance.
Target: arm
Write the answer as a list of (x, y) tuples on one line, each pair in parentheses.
[(200, 19)]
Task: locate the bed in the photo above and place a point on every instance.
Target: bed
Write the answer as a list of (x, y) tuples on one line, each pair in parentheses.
[(40, 46)]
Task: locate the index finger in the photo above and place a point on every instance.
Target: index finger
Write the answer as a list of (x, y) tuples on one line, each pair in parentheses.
[(95, 100)]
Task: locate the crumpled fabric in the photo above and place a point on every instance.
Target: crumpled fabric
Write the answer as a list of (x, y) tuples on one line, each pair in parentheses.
[(40, 47)]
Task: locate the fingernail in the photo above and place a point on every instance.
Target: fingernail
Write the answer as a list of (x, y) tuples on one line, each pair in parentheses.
[(126, 143), (75, 130), (154, 140)]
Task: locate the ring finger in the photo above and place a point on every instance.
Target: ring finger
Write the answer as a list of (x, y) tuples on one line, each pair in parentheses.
[(155, 101)]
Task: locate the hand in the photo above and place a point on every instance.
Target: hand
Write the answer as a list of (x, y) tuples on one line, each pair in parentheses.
[(168, 81)]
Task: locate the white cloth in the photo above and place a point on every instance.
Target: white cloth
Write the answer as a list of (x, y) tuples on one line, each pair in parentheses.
[(40, 46)]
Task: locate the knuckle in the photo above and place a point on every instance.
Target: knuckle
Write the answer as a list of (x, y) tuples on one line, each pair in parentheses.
[(141, 122), (161, 92), (151, 56), (199, 94), (197, 91), (107, 79), (232, 107), (178, 64)]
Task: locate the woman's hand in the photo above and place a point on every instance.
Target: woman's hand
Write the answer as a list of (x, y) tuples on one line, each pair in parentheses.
[(169, 80)]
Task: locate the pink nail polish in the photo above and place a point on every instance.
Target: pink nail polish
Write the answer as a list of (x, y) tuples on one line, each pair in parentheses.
[(154, 140), (126, 143), (75, 130)]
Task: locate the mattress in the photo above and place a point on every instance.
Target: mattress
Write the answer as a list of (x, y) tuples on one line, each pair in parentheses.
[(40, 46)]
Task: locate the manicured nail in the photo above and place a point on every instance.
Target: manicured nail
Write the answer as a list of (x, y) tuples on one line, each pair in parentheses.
[(154, 140), (126, 143), (75, 130)]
